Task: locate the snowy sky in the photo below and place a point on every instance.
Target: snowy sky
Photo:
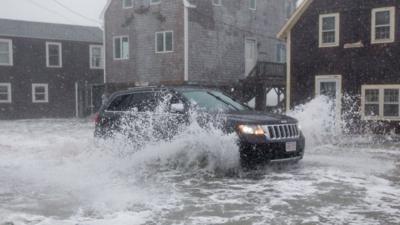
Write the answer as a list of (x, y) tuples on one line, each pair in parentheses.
[(82, 12)]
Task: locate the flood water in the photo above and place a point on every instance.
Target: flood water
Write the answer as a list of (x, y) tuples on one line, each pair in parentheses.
[(52, 172)]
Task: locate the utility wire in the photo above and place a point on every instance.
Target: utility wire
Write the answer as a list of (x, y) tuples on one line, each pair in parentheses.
[(76, 13), (49, 10), (58, 14)]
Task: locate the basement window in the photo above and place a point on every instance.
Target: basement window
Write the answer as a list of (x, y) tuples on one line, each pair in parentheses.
[(40, 93), (381, 102), (5, 93), (329, 30), (164, 42), (382, 29)]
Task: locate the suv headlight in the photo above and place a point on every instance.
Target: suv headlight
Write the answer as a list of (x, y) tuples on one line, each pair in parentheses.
[(251, 129)]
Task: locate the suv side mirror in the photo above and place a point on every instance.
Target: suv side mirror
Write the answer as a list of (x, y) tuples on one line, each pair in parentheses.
[(177, 108)]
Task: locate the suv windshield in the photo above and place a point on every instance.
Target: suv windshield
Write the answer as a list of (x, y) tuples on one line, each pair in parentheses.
[(213, 101)]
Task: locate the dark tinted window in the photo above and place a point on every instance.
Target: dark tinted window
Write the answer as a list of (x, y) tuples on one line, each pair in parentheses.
[(140, 102)]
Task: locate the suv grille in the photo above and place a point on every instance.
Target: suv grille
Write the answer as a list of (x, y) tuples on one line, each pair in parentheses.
[(284, 131)]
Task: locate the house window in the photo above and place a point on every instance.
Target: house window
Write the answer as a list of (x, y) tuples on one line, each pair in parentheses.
[(126, 4), (155, 2), (281, 53), (6, 52), (40, 93), (329, 30), (53, 54), (5, 93), (382, 30), (121, 48), (96, 57), (381, 102), (253, 4), (164, 42), (217, 2)]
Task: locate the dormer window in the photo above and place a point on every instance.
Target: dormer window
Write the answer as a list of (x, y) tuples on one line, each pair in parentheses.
[(329, 30), (382, 30), (126, 4)]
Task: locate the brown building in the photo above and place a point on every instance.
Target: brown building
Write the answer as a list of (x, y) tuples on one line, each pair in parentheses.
[(49, 70), (346, 48)]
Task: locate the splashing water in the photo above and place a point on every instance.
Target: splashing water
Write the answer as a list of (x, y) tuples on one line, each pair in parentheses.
[(52, 172)]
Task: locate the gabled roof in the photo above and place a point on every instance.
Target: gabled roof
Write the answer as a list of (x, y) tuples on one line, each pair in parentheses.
[(294, 18), (103, 12), (51, 31)]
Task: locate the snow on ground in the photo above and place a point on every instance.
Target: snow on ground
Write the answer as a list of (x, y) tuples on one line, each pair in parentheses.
[(52, 172)]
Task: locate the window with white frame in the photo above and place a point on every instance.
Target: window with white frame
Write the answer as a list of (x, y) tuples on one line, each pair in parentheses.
[(217, 2), (155, 2), (6, 52), (164, 42), (382, 29), (329, 30), (253, 4), (53, 54), (381, 102), (121, 48), (40, 93), (96, 57), (5, 93), (126, 4)]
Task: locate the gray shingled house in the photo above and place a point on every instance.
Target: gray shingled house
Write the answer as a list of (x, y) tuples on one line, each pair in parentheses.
[(49, 70), (198, 42)]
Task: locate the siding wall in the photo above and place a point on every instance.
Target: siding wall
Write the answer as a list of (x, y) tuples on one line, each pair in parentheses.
[(144, 65), (30, 67), (216, 50), (218, 33), (372, 64)]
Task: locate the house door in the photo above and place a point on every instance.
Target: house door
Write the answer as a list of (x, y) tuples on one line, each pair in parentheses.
[(331, 87), (251, 55)]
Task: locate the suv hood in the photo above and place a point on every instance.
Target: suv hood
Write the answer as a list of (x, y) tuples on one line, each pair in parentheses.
[(258, 118)]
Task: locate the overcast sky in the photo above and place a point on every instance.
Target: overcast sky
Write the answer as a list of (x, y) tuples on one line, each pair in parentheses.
[(82, 12)]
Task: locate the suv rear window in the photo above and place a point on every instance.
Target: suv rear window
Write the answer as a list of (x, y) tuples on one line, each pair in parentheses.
[(140, 102)]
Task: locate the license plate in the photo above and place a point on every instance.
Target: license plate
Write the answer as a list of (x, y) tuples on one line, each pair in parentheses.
[(291, 146)]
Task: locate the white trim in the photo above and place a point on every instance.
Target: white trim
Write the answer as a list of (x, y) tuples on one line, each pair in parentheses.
[(392, 12), (155, 3), (381, 88), (10, 52), (46, 93), (91, 47), (255, 5), (164, 41), (337, 30), (104, 55), (282, 34), (331, 78), (59, 45), (288, 70), (121, 37), (127, 7), (187, 6), (217, 2), (76, 99), (9, 93)]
